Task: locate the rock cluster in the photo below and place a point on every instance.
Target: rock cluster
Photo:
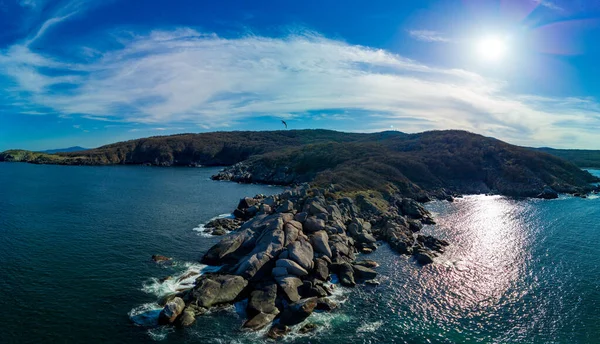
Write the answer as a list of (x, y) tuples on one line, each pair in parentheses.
[(283, 254)]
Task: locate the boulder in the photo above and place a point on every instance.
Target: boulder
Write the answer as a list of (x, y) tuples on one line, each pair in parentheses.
[(364, 273), (548, 193), (298, 312), (278, 331), (346, 275), (270, 201), (171, 311), (325, 304), (320, 243), (292, 267), (223, 224), (265, 209), (187, 318), (158, 258), (365, 238), (301, 217), (367, 263), (413, 209), (308, 328), (278, 271), (246, 203), (268, 246), (211, 290), (432, 243), (315, 208), (231, 247), (313, 224), (291, 230), (290, 286), (321, 269), (259, 321), (414, 225), (302, 253), (262, 299), (423, 258), (285, 207)]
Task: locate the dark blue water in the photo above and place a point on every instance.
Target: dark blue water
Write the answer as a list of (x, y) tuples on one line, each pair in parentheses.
[(75, 244)]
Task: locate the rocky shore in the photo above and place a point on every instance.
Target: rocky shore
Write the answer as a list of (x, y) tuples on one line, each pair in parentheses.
[(283, 255)]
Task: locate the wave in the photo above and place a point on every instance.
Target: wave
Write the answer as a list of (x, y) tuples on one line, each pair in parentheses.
[(201, 229), (369, 327), (147, 314)]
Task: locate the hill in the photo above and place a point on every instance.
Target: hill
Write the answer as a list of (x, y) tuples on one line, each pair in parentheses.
[(437, 163), (580, 157), (64, 150)]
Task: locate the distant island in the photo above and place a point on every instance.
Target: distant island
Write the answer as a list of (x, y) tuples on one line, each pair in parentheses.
[(435, 164), (64, 150)]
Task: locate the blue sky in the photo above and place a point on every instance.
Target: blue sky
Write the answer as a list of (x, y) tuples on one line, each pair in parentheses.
[(86, 72)]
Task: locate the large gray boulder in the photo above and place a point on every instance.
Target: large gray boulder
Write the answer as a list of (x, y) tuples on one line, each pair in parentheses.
[(290, 286), (291, 230), (292, 267), (259, 321), (298, 312), (313, 224), (346, 274), (302, 253), (320, 243), (171, 311), (321, 269), (262, 299), (285, 207), (213, 290), (364, 273), (187, 318)]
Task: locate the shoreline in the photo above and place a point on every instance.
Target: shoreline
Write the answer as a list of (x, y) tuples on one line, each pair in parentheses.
[(282, 257)]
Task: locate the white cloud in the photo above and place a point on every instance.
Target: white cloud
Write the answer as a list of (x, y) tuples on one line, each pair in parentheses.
[(428, 36), (549, 4), (184, 76)]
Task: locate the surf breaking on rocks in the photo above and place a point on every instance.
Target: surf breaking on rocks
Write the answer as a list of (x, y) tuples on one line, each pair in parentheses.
[(286, 250)]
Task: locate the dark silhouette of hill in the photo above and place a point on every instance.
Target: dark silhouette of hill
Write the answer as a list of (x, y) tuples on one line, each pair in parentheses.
[(436, 163)]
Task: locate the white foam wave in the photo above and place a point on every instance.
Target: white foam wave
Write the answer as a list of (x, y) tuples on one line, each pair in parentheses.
[(145, 315), (369, 327), (160, 333), (177, 282), (202, 230)]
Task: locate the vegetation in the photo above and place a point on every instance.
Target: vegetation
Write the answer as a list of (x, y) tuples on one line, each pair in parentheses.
[(580, 157), (433, 162)]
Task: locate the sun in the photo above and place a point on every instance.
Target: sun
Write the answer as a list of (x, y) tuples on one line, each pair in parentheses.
[(492, 48)]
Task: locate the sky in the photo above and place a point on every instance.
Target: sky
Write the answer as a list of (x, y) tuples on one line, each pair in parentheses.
[(93, 72)]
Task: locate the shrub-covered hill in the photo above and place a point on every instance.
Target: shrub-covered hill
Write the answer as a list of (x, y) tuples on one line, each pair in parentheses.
[(580, 157), (436, 162)]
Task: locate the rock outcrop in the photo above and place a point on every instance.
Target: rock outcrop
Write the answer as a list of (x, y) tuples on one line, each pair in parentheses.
[(285, 248)]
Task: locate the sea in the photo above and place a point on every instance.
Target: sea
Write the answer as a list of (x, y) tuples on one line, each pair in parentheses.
[(76, 245)]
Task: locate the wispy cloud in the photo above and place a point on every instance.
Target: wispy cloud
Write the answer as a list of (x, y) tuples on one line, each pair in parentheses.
[(428, 36), (549, 4), (169, 77)]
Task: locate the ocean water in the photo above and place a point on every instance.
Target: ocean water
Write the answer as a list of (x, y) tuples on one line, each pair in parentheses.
[(75, 247)]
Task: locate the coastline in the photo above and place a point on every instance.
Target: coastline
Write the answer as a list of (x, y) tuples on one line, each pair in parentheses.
[(289, 246)]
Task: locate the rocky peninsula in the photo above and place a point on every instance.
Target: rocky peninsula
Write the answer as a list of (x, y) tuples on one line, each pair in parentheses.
[(288, 247)]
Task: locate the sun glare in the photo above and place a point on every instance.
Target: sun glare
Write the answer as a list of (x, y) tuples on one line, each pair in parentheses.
[(492, 49)]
